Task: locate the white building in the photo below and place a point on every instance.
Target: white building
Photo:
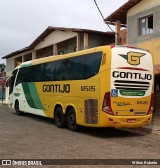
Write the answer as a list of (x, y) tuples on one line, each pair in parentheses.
[(57, 41)]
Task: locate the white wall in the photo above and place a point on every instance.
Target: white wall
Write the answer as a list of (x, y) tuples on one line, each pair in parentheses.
[(10, 66), (55, 37)]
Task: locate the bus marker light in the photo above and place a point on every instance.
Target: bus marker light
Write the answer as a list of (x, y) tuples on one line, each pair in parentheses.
[(151, 108), (110, 119), (106, 107)]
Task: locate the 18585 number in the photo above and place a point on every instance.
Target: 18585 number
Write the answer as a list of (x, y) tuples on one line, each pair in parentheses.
[(88, 88)]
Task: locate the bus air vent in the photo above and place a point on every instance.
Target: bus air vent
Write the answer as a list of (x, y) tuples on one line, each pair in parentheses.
[(91, 111), (131, 85)]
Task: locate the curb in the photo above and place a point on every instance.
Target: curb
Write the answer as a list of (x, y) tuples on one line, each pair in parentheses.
[(3, 103)]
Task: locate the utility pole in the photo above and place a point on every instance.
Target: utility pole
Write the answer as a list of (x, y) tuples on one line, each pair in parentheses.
[(117, 36)]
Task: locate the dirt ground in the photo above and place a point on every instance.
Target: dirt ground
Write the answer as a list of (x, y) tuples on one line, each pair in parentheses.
[(34, 137)]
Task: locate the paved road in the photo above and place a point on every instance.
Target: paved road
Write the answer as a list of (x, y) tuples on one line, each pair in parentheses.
[(33, 137)]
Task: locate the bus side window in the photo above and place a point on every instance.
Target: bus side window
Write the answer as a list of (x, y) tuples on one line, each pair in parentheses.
[(11, 81), (77, 67), (92, 62), (23, 75), (62, 70), (37, 73), (49, 71)]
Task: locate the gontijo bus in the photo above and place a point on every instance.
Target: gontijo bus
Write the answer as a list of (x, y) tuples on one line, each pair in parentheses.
[(99, 87)]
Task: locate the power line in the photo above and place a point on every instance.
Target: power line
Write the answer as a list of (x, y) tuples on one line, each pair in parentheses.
[(103, 17)]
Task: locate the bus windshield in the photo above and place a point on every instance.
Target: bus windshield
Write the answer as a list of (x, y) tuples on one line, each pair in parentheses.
[(11, 80)]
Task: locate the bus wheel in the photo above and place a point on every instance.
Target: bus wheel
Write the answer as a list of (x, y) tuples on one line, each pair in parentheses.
[(60, 118), (71, 120), (18, 112)]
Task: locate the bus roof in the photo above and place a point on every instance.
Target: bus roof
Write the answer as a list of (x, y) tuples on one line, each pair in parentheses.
[(58, 57)]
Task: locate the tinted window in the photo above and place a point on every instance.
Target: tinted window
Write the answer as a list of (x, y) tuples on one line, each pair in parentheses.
[(11, 81), (37, 73), (77, 68), (62, 69), (57, 70), (50, 71), (92, 64), (23, 75), (30, 74), (85, 66)]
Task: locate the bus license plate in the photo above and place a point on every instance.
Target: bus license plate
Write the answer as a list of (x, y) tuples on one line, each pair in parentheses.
[(131, 120)]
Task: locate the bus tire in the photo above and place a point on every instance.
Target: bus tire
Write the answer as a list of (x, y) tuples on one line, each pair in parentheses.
[(60, 118), (18, 112), (71, 120)]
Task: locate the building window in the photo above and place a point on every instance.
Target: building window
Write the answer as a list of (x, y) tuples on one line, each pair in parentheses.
[(146, 25), (17, 61)]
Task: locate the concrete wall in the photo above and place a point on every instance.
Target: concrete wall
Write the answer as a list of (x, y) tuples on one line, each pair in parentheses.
[(143, 6), (149, 41)]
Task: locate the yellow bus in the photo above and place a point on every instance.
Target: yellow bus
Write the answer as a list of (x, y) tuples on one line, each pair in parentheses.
[(106, 86)]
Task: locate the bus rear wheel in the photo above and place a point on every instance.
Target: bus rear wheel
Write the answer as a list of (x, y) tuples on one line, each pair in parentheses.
[(60, 118), (71, 120), (18, 112)]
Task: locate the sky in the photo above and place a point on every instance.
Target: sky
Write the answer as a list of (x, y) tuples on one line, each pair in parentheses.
[(22, 21)]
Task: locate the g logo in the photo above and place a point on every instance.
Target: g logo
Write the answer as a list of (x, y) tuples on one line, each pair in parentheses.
[(133, 58)]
